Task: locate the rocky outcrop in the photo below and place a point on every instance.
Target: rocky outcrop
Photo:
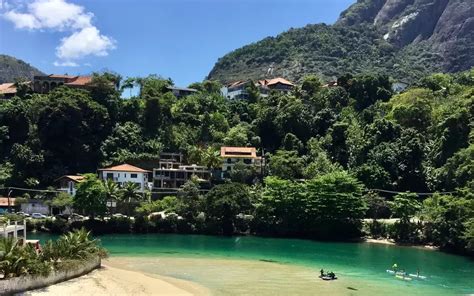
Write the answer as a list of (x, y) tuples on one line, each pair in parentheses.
[(403, 38)]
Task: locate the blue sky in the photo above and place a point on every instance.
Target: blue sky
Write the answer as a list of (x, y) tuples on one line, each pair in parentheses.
[(181, 39)]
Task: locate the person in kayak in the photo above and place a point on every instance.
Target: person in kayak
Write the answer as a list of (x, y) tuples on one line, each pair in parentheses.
[(395, 267), (332, 275), (322, 272)]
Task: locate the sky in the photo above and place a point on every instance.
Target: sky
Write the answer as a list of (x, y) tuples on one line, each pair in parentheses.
[(180, 39)]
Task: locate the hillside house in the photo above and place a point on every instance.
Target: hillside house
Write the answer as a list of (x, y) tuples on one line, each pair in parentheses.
[(124, 173), (172, 174), (232, 155), (68, 183), (44, 84), (238, 90), (7, 90), (181, 92)]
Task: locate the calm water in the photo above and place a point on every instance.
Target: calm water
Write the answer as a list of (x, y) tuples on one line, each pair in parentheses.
[(217, 262)]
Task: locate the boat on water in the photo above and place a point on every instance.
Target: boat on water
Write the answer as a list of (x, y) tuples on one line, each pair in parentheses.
[(327, 278), (403, 277), (417, 276)]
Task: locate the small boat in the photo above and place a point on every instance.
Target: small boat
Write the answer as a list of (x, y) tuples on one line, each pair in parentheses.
[(327, 278), (416, 276), (402, 277)]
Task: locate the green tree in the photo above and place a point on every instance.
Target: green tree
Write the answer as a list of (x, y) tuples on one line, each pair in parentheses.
[(286, 165), (91, 196), (224, 202), (129, 194)]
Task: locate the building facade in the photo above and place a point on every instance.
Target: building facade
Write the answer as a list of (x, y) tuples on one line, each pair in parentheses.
[(232, 155), (172, 174), (125, 173), (46, 83), (238, 89), (68, 183), (181, 92)]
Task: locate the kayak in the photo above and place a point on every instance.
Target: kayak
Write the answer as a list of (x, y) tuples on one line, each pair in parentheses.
[(327, 278), (391, 271), (421, 277), (405, 278)]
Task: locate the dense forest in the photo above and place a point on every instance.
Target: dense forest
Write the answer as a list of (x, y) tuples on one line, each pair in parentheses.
[(408, 39), (330, 151)]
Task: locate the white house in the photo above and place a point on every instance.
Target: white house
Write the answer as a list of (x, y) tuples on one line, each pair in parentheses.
[(124, 173), (68, 183)]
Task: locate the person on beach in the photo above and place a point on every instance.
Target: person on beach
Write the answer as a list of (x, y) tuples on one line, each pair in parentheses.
[(322, 272)]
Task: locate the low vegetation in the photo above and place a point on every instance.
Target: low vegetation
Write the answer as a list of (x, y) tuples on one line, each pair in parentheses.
[(68, 251)]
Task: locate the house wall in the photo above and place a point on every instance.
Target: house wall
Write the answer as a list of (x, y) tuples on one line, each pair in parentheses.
[(68, 186), (124, 177), (35, 206), (229, 162)]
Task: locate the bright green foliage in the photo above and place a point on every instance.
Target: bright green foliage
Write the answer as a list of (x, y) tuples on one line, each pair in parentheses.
[(62, 200), (74, 247), (319, 208), (286, 165), (91, 196), (224, 202), (446, 218)]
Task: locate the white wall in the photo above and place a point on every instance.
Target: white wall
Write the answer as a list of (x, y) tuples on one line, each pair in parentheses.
[(35, 207), (124, 177)]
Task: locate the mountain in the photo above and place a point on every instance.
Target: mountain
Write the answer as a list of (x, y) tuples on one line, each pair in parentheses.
[(12, 68), (405, 39)]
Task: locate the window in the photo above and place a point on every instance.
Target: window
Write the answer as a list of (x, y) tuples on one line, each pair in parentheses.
[(247, 161), (110, 176), (133, 176), (229, 168), (229, 160)]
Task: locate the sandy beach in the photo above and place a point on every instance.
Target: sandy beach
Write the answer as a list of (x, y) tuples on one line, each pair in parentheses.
[(110, 280)]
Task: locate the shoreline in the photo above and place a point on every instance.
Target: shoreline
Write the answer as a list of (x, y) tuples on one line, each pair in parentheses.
[(390, 242), (114, 279)]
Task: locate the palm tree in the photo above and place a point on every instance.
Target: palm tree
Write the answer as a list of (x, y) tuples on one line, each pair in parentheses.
[(212, 158), (130, 193), (112, 190)]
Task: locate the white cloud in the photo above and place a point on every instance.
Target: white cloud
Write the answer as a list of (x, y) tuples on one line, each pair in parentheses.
[(58, 15), (22, 20), (88, 41), (66, 64)]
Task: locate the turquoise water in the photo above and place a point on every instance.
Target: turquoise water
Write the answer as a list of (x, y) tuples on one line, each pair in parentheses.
[(446, 274)]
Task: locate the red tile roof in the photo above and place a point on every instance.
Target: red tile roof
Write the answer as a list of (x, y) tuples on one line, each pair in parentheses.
[(270, 82), (125, 168), (7, 88), (239, 152), (4, 201), (75, 178), (80, 81)]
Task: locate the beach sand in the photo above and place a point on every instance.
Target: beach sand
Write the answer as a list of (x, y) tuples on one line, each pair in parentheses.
[(110, 280)]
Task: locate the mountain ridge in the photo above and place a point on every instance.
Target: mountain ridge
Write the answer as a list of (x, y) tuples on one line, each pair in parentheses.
[(12, 68), (401, 38)]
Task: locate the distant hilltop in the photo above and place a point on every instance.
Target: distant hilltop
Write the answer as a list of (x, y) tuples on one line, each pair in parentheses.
[(402, 38), (12, 68)]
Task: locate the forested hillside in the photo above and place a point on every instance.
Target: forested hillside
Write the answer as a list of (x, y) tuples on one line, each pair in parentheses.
[(12, 69), (403, 39), (348, 142)]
